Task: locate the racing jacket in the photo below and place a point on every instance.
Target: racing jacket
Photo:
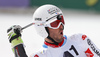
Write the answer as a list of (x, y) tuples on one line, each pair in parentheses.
[(78, 45)]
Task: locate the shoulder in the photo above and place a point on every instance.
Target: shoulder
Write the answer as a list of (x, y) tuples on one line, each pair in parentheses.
[(40, 53), (78, 37)]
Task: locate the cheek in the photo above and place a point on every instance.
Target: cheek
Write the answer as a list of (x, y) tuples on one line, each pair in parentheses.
[(54, 32)]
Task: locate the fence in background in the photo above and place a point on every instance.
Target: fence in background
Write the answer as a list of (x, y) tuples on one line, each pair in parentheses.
[(71, 4)]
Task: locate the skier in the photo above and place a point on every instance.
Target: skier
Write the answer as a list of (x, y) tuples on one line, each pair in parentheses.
[(50, 25)]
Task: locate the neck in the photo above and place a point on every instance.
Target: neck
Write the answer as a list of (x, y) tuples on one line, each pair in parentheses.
[(50, 43), (52, 40), (48, 40)]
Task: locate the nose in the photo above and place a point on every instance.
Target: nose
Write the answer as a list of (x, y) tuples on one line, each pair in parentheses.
[(61, 27)]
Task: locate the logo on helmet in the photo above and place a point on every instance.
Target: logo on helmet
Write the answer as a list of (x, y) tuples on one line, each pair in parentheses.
[(38, 19), (53, 10)]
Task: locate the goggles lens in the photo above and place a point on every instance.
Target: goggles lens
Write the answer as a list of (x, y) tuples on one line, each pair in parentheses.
[(57, 22)]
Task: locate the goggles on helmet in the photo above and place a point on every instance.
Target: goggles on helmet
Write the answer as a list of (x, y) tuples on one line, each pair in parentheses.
[(56, 24)]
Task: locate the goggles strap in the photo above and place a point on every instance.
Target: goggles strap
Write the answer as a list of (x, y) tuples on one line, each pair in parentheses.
[(52, 40), (47, 30)]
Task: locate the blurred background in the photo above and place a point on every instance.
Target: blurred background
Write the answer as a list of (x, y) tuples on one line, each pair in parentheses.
[(81, 16)]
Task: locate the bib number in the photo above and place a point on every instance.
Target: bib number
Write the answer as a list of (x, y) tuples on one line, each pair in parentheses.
[(68, 54)]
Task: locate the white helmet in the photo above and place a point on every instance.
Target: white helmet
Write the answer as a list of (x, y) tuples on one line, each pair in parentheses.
[(42, 14)]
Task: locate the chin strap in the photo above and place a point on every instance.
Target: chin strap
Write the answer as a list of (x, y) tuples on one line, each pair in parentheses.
[(52, 40)]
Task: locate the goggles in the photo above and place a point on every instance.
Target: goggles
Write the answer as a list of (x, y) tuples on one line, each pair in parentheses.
[(56, 24)]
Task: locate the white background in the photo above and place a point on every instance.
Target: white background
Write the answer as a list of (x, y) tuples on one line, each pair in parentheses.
[(76, 22)]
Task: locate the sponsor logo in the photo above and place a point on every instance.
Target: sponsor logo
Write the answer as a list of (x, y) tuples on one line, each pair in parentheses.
[(83, 37), (53, 10), (93, 47), (89, 53), (42, 52), (36, 55), (38, 19)]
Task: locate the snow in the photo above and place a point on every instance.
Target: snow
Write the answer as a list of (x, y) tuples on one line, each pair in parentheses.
[(88, 24)]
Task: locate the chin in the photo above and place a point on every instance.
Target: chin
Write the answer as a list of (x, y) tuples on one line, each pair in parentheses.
[(61, 39)]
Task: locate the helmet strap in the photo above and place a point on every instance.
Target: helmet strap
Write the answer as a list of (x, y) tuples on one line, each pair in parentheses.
[(56, 43)]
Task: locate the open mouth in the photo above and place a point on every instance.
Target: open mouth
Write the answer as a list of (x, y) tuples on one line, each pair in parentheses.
[(61, 32)]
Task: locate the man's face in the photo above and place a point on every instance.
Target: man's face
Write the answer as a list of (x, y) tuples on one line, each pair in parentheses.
[(56, 34)]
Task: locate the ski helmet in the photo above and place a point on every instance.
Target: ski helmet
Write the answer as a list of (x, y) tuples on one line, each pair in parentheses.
[(45, 15)]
